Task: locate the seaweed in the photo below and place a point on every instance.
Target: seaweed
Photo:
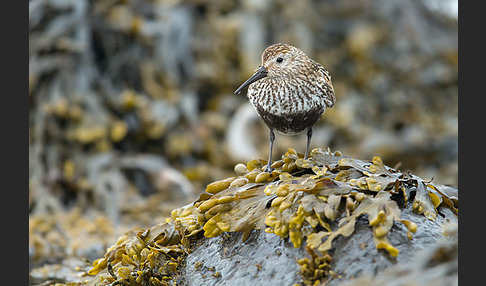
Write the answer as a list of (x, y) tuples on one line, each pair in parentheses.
[(320, 200)]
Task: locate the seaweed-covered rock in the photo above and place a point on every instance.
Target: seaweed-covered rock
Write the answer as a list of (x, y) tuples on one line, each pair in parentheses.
[(329, 218), (227, 260), (132, 113)]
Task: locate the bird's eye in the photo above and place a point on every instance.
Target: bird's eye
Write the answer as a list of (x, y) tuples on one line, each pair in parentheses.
[(279, 60)]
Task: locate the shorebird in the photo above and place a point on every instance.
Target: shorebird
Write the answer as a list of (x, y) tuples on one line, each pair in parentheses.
[(290, 92)]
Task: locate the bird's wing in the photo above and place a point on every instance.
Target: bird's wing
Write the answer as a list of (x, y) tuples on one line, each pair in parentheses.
[(325, 85)]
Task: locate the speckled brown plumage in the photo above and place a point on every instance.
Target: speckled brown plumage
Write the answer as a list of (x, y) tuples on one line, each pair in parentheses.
[(289, 91)]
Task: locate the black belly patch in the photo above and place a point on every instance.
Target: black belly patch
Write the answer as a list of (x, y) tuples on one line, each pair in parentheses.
[(291, 123)]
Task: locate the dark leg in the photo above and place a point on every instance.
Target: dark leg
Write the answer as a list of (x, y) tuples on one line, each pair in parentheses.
[(309, 136), (272, 138)]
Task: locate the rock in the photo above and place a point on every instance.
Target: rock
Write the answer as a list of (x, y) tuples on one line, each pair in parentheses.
[(263, 257), (328, 219)]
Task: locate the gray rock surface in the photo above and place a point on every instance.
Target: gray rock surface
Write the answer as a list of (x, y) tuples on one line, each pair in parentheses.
[(266, 257), (262, 258)]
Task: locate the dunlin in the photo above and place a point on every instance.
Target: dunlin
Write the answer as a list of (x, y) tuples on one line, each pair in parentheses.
[(290, 92)]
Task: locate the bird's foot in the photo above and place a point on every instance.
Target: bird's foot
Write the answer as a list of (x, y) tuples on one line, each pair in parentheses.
[(306, 155), (268, 169)]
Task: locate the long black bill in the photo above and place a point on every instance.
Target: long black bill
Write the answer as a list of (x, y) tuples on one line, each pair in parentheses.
[(261, 73)]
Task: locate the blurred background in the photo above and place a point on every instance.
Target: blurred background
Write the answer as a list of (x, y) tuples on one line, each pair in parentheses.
[(132, 111)]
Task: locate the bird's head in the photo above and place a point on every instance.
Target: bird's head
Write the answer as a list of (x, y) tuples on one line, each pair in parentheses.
[(281, 60), (278, 61)]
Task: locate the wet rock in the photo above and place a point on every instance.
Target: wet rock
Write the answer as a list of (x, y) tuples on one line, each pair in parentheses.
[(263, 257), (356, 256), (327, 219)]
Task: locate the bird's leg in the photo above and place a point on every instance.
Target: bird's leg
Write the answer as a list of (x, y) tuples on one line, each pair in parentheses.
[(309, 136), (269, 169)]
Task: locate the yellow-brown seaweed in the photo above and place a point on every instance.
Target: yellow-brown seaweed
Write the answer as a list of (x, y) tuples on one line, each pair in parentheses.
[(299, 207)]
